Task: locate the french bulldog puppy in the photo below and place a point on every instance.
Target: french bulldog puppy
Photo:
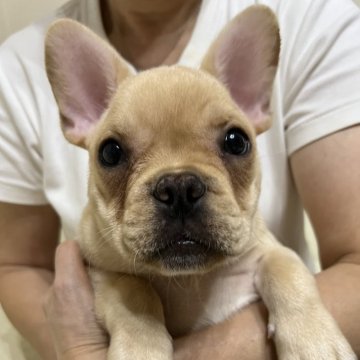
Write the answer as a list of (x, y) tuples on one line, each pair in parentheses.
[(172, 229)]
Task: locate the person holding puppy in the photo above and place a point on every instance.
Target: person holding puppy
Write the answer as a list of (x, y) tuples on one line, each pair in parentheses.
[(316, 114)]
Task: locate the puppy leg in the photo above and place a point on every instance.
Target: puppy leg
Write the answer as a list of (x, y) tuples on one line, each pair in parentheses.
[(301, 326), (132, 313)]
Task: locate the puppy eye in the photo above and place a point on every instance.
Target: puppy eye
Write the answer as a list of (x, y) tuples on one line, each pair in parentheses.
[(237, 142), (110, 153)]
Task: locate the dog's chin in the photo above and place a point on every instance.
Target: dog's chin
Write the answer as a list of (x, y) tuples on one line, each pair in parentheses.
[(185, 256)]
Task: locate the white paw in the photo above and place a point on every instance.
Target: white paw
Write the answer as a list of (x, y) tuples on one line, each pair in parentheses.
[(312, 336)]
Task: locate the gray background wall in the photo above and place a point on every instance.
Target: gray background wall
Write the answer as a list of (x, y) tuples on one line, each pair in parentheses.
[(15, 14)]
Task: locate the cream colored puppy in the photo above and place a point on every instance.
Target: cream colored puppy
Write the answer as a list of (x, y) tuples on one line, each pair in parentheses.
[(172, 230)]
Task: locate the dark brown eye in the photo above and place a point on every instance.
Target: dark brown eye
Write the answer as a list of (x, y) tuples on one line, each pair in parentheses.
[(237, 142), (110, 153)]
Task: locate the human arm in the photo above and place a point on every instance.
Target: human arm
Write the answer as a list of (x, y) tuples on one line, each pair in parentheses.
[(27, 246), (28, 238)]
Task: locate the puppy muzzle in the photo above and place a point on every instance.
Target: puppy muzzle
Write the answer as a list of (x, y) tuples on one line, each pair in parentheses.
[(183, 241)]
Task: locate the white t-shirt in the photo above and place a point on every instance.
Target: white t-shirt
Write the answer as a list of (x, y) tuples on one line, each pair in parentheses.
[(317, 92)]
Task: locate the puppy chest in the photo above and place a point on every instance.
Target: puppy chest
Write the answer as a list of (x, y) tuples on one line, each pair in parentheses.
[(191, 303)]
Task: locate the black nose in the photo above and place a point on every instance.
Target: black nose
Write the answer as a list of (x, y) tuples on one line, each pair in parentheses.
[(179, 193)]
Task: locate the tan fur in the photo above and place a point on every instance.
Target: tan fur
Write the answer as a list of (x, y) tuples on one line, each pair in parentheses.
[(173, 120)]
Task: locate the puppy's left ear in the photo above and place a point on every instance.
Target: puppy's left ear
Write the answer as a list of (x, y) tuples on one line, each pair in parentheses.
[(244, 58), (84, 72)]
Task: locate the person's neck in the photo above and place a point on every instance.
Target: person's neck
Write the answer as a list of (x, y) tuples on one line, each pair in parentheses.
[(150, 33)]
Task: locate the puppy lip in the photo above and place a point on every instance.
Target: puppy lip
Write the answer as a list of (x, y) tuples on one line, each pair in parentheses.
[(184, 252), (186, 246), (185, 237), (183, 244)]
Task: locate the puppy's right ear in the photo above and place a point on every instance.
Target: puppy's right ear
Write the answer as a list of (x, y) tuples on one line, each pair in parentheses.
[(84, 72), (244, 58)]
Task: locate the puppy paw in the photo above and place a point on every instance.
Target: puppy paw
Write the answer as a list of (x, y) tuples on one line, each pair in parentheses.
[(312, 336)]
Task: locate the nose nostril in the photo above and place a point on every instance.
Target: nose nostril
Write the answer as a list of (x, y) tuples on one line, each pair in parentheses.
[(195, 192), (166, 196), (163, 192)]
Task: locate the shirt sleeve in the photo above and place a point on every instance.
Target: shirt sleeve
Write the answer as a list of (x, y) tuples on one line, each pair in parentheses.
[(21, 175), (322, 76)]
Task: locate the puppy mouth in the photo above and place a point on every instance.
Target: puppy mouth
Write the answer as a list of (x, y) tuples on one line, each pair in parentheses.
[(185, 252)]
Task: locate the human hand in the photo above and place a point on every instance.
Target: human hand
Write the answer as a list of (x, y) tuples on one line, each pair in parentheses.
[(69, 308)]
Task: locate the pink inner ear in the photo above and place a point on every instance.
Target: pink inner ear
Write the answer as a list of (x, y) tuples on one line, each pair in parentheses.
[(83, 73), (86, 87), (246, 61)]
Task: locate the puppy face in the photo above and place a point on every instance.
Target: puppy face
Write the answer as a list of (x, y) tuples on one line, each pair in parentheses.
[(174, 178), (174, 171)]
